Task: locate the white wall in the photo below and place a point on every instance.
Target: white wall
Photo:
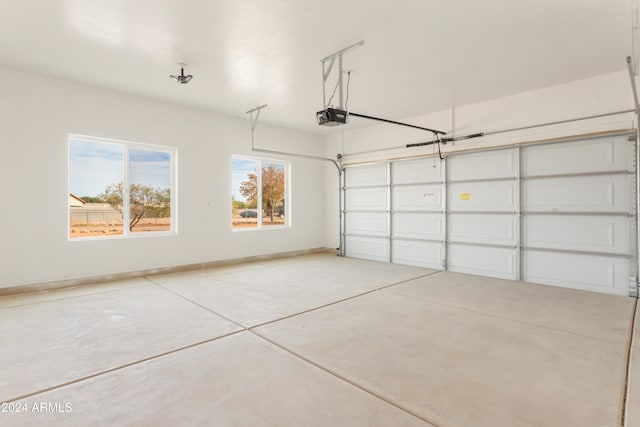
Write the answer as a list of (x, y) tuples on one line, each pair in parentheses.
[(598, 95), (36, 115)]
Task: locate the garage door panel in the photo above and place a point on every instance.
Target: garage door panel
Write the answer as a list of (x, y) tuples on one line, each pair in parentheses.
[(482, 196), (560, 213), (416, 171), (427, 226), (367, 223), (609, 234), (496, 229), (589, 272), (366, 199), (426, 197), (420, 254), (366, 175), (597, 155), (600, 193), (483, 261), (372, 248), (486, 165)]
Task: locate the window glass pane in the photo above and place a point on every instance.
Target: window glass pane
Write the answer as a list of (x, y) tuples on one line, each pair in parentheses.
[(244, 193), (149, 190), (96, 172), (273, 193)]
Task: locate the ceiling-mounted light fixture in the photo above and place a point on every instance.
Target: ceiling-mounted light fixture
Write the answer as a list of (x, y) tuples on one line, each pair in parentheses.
[(182, 78)]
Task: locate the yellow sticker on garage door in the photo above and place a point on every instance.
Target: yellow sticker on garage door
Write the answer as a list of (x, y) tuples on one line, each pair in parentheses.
[(465, 196)]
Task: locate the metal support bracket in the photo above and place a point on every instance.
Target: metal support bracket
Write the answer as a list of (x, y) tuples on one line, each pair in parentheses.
[(254, 119), (254, 124), (633, 85), (635, 34), (326, 71), (327, 65)]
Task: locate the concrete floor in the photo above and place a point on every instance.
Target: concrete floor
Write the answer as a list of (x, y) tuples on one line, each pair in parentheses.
[(318, 341)]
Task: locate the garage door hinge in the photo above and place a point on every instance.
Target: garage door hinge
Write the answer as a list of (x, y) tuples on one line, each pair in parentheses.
[(633, 286)]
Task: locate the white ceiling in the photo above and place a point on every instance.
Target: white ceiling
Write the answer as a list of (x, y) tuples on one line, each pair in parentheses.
[(419, 55)]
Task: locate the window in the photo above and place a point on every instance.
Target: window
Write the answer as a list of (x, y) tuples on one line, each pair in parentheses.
[(259, 193), (120, 189)]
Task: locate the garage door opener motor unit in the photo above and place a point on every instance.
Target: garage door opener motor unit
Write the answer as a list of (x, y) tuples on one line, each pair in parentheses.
[(331, 117)]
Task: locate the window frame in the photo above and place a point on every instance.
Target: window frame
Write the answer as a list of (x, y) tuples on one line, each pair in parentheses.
[(287, 193), (126, 209)]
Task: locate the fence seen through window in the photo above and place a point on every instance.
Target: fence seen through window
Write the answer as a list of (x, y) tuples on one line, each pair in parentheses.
[(119, 189)]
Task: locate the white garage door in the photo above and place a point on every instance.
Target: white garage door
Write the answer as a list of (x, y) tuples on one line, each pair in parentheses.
[(417, 213), (483, 200), (366, 212), (579, 204), (559, 213)]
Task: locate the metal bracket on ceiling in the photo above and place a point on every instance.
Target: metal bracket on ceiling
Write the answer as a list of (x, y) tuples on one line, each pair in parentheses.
[(254, 119), (254, 114), (635, 35), (632, 78), (327, 65)]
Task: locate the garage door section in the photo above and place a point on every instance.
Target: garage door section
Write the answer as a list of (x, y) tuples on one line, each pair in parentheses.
[(483, 204), (561, 213), (366, 214), (579, 214), (417, 213)]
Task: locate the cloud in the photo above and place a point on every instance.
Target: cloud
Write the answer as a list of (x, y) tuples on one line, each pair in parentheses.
[(95, 165)]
